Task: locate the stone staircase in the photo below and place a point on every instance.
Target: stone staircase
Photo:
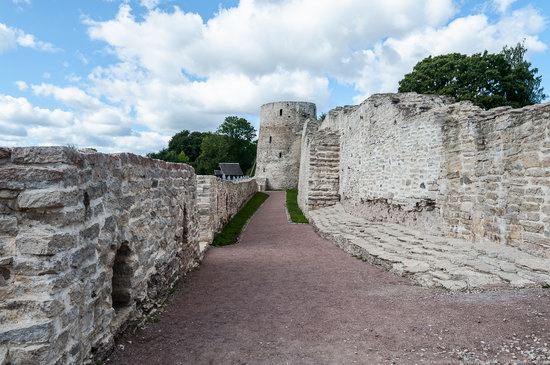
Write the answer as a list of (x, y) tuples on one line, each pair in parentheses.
[(431, 261), (324, 164)]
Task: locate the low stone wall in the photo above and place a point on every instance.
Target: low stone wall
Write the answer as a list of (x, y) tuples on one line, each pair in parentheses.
[(218, 201), (88, 243)]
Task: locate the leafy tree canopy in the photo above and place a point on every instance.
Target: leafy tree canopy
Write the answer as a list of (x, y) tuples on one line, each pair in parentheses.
[(238, 128), (232, 142), (488, 80)]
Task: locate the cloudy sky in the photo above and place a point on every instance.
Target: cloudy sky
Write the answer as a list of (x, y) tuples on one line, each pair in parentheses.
[(126, 75)]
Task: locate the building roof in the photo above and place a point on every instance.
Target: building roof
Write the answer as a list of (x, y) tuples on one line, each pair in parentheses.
[(231, 168)]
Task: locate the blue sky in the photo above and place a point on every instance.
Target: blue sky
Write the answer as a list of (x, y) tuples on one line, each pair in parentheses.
[(126, 75)]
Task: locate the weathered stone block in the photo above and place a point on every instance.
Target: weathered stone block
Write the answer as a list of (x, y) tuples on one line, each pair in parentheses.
[(26, 333), (43, 155), (46, 199), (8, 225), (44, 241), (8, 194)]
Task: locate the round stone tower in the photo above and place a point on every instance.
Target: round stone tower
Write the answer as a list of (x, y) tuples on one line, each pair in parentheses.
[(278, 156)]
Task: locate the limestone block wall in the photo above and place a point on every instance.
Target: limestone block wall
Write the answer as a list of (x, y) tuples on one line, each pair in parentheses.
[(218, 200), (88, 242), (391, 156), (447, 168), (497, 175), (319, 168), (278, 156)]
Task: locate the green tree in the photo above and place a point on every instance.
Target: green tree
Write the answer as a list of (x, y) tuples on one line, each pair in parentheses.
[(240, 135), (232, 142), (237, 128), (188, 142), (488, 80), (215, 148), (170, 156)]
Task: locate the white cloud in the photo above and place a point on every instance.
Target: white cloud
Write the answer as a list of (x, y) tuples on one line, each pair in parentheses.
[(21, 85), (20, 112), (106, 128), (70, 96), (12, 37), (503, 5), (177, 71), (149, 4)]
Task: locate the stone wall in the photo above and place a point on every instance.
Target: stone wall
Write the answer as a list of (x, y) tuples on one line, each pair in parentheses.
[(447, 168), (90, 243), (278, 156), (496, 170), (319, 168), (391, 149), (218, 201)]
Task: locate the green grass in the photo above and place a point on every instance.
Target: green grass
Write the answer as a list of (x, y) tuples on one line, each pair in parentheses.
[(230, 233), (296, 215)]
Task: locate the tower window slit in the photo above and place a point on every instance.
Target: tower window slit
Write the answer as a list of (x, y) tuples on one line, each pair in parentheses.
[(280, 154), (281, 112), (269, 139)]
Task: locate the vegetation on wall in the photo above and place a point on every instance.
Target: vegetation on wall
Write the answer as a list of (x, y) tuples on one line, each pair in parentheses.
[(232, 230), (488, 80), (232, 142)]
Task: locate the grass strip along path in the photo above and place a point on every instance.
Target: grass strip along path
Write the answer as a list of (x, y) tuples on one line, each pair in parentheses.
[(296, 215), (232, 230)]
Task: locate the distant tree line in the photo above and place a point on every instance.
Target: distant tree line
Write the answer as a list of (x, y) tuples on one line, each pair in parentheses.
[(233, 141), (487, 79)]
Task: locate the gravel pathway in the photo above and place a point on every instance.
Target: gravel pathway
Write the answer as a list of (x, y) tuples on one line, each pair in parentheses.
[(283, 295)]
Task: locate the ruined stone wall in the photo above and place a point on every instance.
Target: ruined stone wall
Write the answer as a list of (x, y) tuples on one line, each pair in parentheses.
[(88, 242), (497, 175), (319, 168), (391, 155), (218, 201), (447, 168), (278, 156)]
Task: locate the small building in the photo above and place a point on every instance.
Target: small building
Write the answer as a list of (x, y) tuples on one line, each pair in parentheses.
[(230, 170)]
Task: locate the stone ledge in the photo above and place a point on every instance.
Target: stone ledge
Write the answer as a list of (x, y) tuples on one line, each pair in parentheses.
[(431, 261)]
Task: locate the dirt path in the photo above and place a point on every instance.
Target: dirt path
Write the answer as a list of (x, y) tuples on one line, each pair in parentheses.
[(286, 296)]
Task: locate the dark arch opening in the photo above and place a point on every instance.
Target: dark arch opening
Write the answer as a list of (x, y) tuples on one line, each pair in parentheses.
[(280, 154), (123, 271), (281, 112)]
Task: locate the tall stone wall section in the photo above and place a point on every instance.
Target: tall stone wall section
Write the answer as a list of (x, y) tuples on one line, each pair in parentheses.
[(391, 155), (90, 243), (447, 168), (319, 168), (497, 176), (218, 200), (278, 156)]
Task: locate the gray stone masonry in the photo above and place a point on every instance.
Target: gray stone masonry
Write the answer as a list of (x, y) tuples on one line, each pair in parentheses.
[(446, 168), (91, 243), (278, 156), (218, 200), (319, 168)]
